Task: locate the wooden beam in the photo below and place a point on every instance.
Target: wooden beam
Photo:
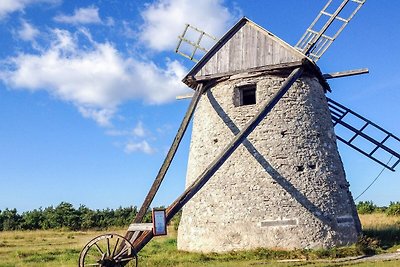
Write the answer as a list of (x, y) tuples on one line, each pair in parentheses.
[(281, 69), (168, 159), (346, 73), (275, 67), (181, 97), (140, 227), (223, 156)]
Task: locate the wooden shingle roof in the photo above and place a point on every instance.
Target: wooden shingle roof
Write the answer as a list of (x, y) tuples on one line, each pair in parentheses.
[(246, 46)]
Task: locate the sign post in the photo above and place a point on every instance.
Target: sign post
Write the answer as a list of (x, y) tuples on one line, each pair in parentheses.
[(159, 222)]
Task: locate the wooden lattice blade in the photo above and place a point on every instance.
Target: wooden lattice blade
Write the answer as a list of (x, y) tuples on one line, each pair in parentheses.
[(366, 137), (327, 26)]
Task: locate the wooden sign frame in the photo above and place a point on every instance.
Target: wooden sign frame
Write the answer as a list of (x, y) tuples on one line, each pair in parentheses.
[(159, 222)]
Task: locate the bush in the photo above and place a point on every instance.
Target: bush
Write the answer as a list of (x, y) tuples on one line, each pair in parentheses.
[(393, 209), (176, 220), (32, 220), (11, 220), (366, 207), (367, 245)]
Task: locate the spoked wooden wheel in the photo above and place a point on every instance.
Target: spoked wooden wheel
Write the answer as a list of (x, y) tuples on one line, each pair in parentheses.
[(103, 251)]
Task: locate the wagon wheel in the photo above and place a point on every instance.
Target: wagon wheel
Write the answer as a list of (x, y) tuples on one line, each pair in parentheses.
[(102, 251)]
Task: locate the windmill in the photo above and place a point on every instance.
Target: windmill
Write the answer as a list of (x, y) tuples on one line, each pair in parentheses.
[(264, 169)]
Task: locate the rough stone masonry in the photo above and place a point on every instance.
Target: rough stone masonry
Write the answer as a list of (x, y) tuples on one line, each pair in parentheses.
[(284, 187)]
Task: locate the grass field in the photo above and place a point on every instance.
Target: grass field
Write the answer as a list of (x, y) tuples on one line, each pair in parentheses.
[(61, 248)]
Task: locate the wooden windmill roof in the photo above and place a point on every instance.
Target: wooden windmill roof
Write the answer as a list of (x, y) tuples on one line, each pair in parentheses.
[(246, 47)]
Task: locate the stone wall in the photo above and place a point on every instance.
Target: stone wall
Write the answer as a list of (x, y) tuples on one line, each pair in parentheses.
[(284, 187)]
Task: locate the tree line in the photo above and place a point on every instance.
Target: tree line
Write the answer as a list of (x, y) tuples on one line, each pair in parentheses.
[(368, 207), (82, 218), (66, 216)]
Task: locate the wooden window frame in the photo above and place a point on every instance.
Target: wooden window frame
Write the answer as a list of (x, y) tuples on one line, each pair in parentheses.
[(239, 99)]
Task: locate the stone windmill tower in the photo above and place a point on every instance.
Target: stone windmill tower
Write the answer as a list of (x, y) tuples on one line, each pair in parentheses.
[(285, 186), (264, 169)]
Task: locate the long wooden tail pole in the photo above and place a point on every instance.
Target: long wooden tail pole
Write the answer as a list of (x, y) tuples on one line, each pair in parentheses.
[(168, 159), (223, 156)]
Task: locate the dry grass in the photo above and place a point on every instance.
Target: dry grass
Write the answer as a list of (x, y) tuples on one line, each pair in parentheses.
[(42, 248), (61, 248), (378, 220), (384, 228)]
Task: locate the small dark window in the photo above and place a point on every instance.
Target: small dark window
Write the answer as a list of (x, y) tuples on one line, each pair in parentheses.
[(247, 95)]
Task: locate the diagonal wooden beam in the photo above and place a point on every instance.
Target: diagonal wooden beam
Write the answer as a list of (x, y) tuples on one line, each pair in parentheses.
[(223, 156), (168, 159)]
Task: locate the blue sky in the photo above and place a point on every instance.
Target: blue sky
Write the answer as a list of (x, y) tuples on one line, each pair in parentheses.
[(87, 92)]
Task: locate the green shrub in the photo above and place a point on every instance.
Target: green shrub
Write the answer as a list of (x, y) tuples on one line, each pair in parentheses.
[(393, 209), (10, 219), (176, 220), (366, 207), (367, 245)]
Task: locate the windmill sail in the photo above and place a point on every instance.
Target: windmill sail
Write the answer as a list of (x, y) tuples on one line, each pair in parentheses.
[(194, 50), (365, 136), (316, 40)]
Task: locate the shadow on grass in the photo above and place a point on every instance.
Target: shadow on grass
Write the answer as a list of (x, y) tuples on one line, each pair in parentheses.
[(387, 236)]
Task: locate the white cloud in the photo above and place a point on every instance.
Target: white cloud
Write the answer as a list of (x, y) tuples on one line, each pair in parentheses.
[(102, 116), (142, 146), (139, 130), (27, 32), (9, 6), (88, 15), (164, 20), (109, 21), (115, 132), (95, 80), (128, 30)]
